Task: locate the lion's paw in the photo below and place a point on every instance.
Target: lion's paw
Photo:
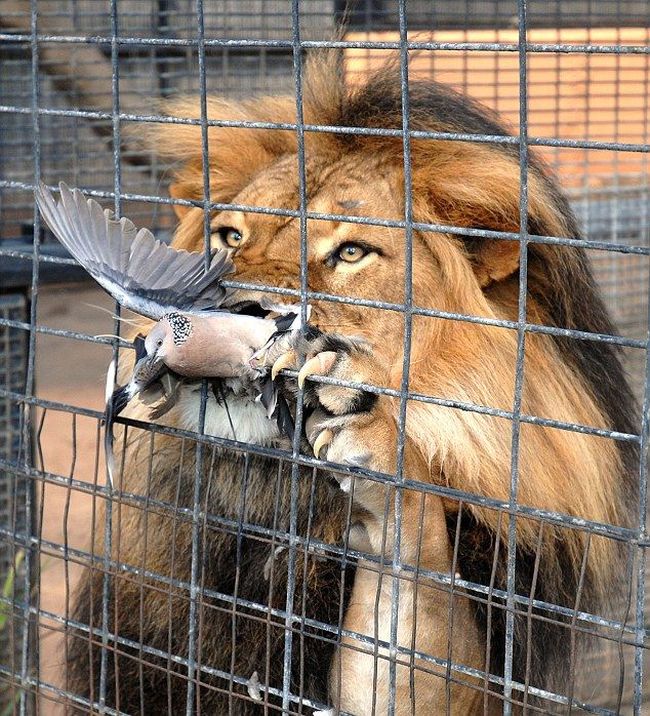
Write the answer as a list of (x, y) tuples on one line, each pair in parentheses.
[(346, 425), (354, 427)]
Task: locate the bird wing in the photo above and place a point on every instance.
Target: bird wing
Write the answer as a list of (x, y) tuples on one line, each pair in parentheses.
[(140, 272)]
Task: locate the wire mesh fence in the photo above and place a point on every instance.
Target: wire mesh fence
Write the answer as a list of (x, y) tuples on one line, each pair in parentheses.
[(479, 514)]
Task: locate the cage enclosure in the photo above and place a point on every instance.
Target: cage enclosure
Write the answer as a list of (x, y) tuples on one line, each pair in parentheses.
[(224, 571)]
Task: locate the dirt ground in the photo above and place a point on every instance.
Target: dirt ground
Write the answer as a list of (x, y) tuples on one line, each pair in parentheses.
[(72, 372)]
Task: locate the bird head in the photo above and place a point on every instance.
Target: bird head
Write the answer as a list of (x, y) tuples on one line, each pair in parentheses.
[(151, 352), (159, 342)]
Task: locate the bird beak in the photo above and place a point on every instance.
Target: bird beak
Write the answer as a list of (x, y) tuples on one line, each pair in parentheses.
[(257, 361), (147, 369), (140, 347)]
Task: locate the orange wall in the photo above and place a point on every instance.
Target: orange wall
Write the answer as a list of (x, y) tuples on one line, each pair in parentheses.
[(571, 96)]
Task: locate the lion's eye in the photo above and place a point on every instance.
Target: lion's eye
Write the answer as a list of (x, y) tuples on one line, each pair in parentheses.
[(231, 237), (351, 253)]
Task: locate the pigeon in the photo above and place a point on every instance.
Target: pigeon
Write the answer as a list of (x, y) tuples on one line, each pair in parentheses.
[(198, 332)]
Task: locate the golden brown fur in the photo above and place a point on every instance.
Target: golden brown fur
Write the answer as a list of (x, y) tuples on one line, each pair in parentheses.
[(463, 184)]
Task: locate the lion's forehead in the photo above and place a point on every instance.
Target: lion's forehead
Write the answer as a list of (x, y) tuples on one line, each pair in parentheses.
[(345, 186)]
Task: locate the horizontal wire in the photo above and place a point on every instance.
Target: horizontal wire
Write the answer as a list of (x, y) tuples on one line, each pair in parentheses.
[(280, 614), (151, 651), (383, 305), (337, 129), (211, 671), (535, 47), (394, 393), (610, 531), (362, 220), (65, 696), (66, 333)]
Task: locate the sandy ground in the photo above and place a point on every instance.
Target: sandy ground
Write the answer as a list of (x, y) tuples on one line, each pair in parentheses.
[(71, 372)]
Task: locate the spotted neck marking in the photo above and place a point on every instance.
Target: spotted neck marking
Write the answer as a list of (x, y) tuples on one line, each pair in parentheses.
[(181, 327)]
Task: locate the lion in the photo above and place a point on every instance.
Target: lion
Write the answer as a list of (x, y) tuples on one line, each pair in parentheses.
[(457, 279)]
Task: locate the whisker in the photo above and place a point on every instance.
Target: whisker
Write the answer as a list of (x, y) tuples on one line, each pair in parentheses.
[(131, 321), (109, 335)]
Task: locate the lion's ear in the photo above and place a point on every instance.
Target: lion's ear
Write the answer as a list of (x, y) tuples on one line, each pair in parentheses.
[(478, 187), (493, 260)]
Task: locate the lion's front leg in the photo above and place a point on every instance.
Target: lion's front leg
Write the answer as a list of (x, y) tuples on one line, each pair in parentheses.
[(358, 429)]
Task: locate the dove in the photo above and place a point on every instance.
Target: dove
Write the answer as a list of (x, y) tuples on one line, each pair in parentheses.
[(196, 333)]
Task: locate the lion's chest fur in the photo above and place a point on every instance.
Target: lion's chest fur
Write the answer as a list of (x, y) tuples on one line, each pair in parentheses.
[(240, 417)]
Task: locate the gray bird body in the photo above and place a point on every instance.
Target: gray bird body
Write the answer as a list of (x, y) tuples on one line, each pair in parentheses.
[(217, 345), (194, 336)]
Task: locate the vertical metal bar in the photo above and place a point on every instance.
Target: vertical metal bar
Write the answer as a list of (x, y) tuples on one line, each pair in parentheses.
[(108, 514), (336, 679), (489, 607), (26, 432), (271, 580), (192, 641), (241, 517), (305, 576), (574, 620), (172, 572), (450, 609), (639, 651), (404, 385), (377, 633), (66, 539), (38, 532), (416, 585), (519, 373), (204, 556), (295, 470), (93, 532), (161, 59), (145, 544)]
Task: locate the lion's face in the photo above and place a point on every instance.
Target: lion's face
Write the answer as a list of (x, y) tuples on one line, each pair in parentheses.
[(343, 258)]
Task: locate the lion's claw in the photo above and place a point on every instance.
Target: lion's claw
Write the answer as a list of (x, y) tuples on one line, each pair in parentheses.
[(320, 364), (324, 438), (337, 416), (286, 360)]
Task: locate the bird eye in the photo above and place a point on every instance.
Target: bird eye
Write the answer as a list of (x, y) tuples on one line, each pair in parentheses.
[(159, 342), (351, 253), (231, 237)]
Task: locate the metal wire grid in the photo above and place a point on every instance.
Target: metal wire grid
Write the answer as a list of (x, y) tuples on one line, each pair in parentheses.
[(12, 491), (77, 74), (198, 516)]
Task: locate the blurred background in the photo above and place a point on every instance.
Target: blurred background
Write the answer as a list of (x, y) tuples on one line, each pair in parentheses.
[(591, 86)]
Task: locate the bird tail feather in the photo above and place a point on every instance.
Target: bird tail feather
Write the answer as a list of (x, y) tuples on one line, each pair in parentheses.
[(108, 422)]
